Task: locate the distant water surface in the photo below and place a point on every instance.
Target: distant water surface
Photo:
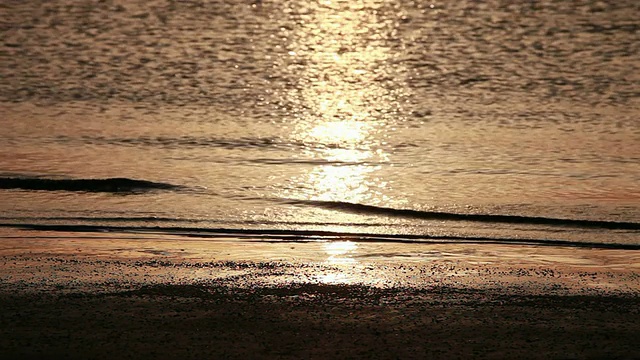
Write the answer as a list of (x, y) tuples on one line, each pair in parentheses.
[(496, 120)]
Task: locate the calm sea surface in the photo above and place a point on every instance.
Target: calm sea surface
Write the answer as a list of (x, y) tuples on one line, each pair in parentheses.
[(454, 120)]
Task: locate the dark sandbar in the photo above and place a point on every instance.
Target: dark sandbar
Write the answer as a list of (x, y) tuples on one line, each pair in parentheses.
[(232, 317), (317, 321)]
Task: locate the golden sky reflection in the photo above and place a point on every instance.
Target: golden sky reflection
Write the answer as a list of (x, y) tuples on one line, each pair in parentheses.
[(338, 53)]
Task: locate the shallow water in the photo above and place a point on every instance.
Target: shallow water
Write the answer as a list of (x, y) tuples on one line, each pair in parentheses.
[(241, 115)]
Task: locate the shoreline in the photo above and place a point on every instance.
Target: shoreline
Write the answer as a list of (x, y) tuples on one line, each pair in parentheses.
[(126, 295)]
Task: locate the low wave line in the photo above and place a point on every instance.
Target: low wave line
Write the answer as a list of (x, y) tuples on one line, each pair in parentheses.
[(109, 185), (298, 236), (488, 218)]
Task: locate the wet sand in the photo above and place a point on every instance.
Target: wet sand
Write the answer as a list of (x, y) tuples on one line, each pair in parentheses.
[(319, 300)]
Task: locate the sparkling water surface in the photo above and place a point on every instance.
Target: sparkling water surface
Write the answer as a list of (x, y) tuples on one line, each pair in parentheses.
[(280, 115)]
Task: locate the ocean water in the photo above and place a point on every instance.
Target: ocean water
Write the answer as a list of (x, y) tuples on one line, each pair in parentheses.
[(499, 121)]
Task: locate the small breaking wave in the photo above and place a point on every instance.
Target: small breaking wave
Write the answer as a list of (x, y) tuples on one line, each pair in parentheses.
[(109, 185), (488, 218)]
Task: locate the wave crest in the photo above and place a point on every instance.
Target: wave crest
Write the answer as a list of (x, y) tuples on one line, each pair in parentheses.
[(488, 218), (109, 185)]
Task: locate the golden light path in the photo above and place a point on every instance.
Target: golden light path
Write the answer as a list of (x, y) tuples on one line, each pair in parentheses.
[(339, 51), (342, 47)]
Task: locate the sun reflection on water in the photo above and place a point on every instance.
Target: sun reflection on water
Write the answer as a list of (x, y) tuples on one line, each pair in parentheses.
[(339, 132), (339, 253), (339, 55)]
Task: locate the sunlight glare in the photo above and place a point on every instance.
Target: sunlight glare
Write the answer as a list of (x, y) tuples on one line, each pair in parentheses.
[(342, 102), (339, 131), (340, 252)]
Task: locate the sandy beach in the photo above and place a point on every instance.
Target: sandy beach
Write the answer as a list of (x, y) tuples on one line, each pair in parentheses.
[(379, 179), (110, 296)]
